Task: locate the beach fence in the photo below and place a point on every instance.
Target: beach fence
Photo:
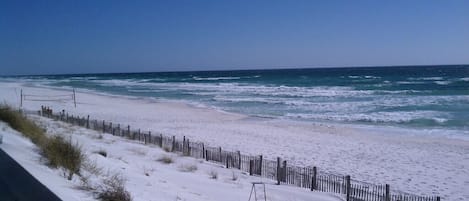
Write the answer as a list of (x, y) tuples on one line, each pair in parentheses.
[(278, 170)]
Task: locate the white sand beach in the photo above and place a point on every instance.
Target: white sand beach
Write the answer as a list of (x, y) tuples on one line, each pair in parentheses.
[(407, 160)]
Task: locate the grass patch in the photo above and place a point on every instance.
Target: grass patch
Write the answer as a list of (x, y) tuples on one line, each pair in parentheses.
[(167, 149), (62, 153), (58, 151), (165, 159), (19, 122), (92, 167), (213, 174), (113, 189), (188, 168)]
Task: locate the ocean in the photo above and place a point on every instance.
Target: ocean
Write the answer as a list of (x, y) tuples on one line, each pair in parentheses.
[(422, 97)]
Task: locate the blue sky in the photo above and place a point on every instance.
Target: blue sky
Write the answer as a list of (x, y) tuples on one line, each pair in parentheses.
[(51, 37)]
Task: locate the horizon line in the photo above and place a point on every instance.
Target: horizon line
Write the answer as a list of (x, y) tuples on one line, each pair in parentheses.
[(236, 69)]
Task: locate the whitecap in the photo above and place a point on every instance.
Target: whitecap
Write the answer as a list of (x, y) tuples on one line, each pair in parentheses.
[(216, 78), (443, 82), (426, 78)]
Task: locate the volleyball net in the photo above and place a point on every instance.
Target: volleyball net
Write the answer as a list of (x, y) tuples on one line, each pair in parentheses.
[(62, 98)]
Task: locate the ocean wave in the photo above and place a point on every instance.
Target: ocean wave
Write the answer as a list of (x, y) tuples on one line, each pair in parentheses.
[(426, 78), (263, 90), (144, 90), (407, 82), (363, 76), (319, 91), (443, 82), (422, 117), (151, 80), (247, 99), (403, 92), (216, 78), (83, 78)]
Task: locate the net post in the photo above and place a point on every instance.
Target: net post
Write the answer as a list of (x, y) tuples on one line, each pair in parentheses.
[(74, 100)]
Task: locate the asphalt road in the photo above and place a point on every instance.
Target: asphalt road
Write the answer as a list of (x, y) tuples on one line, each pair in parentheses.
[(5, 193), (16, 184)]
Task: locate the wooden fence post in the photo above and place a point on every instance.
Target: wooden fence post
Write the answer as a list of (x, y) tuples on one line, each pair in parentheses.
[(149, 138), (110, 128), (278, 170), (437, 198), (219, 154), (347, 184), (88, 121), (183, 145), (104, 127), (284, 171), (119, 129), (174, 143), (251, 163), (226, 161), (239, 160), (139, 138), (314, 179), (161, 140), (206, 155), (203, 151), (388, 195), (128, 131), (260, 165)]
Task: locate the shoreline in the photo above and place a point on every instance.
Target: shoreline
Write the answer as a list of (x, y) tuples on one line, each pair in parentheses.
[(381, 129), (417, 164)]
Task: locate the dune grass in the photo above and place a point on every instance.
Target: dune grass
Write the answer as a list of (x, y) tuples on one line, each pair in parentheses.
[(58, 151), (113, 189), (17, 121), (63, 153)]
